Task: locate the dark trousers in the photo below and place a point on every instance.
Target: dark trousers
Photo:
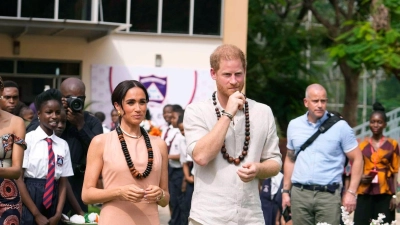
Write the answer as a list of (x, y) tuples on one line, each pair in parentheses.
[(369, 206), (186, 202), (76, 182), (175, 176), (36, 190)]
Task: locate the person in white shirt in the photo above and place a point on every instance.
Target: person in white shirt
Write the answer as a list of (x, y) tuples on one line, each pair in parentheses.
[(175, 172), (46, 163), (188, 178), (165, 128), (233, 142)]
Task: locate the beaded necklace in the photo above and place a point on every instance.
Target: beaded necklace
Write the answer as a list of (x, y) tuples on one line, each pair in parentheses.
[(128, 158), (225, 155)]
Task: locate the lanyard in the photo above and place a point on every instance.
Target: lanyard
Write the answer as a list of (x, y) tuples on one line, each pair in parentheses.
[(372, 150)]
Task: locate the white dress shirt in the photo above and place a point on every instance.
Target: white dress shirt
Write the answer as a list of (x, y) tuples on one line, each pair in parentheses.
[(36, 155)]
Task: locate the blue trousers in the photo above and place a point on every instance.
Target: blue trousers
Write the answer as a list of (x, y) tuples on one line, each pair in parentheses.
[(175, 176)]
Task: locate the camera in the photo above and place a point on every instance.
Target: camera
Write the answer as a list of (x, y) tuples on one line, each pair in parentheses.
[(75, 103)]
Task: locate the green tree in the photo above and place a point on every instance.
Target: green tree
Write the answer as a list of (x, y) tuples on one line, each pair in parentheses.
[(359, 42), (277, 74)]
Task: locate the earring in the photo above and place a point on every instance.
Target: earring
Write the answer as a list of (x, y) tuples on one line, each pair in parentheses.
[(38, 119), (119, 113)]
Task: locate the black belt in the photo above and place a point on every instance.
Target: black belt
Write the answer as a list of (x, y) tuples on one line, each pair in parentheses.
[(331, 188)]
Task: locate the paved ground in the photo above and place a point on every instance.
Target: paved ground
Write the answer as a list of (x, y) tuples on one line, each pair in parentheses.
[(164, 216)]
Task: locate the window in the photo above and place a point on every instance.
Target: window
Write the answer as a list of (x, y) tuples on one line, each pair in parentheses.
[(191, 17), (113, 11), (75, 9), (8, 7), (50, 68), (207, 17), (6, 66), (144, 15), (37, 8), (175, 16)]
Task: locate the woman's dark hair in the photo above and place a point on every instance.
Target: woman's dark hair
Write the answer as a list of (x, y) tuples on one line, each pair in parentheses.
[(177, 108), (51, 94), (122, 88), (166, 106), (379, 109), (180, 118)]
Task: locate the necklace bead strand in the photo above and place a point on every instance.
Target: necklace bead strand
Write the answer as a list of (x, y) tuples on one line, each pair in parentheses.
[(130, 135), (224, 153), (127, 156)]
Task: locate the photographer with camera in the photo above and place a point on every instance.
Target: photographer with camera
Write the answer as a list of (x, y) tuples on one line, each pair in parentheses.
[(80, 129)]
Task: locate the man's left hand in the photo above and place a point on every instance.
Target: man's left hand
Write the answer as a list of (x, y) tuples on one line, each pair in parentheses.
[(75, 118), (349, 201), (248, 172)]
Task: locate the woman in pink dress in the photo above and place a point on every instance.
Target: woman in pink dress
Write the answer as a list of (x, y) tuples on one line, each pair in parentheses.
[(133, 165)]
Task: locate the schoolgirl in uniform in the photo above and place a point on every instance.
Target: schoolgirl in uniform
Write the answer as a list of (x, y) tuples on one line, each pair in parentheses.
[(47, 164)]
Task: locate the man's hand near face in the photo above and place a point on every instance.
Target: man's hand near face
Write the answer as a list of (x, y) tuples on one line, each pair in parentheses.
[(75, 118)]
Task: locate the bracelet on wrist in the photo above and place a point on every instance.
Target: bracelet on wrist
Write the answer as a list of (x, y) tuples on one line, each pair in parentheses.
[(224, 113), (352, 193), (162, 196)]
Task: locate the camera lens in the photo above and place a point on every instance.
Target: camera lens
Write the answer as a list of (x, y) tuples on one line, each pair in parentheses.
[(75, 104)]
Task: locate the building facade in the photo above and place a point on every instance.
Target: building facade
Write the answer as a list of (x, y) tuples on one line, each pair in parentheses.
[(43, 42)]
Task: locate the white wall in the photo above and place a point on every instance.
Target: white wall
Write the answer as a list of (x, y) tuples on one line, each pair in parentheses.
[(116, 49)]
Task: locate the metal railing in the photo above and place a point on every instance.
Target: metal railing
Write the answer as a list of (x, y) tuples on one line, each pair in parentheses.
[(392, 129)]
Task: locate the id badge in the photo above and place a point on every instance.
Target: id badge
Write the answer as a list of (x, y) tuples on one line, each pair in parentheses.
[(375, 180)]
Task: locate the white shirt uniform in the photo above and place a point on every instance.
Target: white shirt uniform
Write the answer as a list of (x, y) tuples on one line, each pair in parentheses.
[(184, 158), (164, 129), (36, 156), (176, 149), (105, 129), (170, 135)]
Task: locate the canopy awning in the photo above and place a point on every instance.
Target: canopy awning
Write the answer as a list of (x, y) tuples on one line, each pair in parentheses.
[(17, 27)]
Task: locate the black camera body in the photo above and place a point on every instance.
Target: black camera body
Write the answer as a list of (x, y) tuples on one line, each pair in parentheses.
[(75, 103)]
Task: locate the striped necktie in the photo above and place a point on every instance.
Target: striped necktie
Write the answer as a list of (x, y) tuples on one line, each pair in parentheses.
[(48, 190), (166, 133)]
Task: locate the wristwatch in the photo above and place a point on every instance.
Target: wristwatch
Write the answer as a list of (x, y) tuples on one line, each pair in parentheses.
[(285, 191)]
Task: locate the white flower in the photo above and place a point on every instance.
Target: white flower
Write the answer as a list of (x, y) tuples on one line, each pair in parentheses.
[(77, 219), (346, 219), (92, 217)]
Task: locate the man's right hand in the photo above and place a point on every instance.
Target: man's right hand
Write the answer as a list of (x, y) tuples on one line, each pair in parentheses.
[(235, 103), (285, 200)]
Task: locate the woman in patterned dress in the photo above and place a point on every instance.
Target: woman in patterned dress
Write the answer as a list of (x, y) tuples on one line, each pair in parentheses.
[(376, 193), (12, 133)]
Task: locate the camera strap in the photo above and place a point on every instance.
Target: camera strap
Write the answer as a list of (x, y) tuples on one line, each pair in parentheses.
[(328, 123)]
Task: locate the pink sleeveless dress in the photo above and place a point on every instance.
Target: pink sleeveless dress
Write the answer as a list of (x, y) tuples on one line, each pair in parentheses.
[(116, 173)]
